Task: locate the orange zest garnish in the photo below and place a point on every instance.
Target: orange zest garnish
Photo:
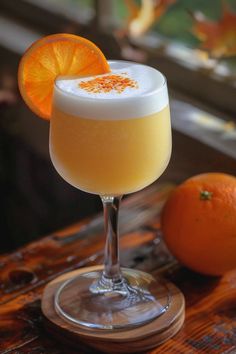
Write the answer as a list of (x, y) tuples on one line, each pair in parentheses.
[(108, 83), (51, 56)]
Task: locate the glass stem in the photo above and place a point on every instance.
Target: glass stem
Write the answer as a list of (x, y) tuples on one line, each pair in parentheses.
[(111, 257), (111, 280)]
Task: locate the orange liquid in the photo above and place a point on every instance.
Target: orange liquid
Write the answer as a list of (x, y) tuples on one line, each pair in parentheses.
[(110, 157)]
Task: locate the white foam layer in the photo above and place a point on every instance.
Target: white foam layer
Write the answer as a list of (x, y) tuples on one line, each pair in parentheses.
[(149, 97)]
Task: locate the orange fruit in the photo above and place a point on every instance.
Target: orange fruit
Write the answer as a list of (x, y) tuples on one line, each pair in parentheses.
[(199, 223), (51, 56)]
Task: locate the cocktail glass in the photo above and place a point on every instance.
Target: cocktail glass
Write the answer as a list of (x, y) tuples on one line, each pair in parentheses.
[(111, 147)]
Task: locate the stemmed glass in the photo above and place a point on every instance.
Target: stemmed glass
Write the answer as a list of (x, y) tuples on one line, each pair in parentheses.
[(112, 147)]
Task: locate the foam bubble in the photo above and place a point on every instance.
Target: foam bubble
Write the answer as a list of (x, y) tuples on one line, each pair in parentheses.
[(150, 95)]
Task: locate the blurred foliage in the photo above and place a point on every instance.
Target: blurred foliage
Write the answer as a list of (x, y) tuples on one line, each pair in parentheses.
[(177, 23)]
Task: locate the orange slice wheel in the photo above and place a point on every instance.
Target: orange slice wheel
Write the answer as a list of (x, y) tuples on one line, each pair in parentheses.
[(51, 56)]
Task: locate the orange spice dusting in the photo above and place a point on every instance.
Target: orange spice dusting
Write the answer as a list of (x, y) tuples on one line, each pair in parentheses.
[(105, 84)]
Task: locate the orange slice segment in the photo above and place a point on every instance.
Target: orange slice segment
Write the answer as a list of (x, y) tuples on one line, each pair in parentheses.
[(51, 56)]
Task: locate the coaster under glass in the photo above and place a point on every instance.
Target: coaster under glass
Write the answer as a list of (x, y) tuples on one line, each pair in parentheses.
[(92, 301)]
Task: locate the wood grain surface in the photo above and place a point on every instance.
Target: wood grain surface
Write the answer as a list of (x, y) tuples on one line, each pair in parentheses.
[(210, 325)]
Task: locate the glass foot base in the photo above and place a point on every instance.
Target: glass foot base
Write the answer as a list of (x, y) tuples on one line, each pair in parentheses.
[(84, 300)]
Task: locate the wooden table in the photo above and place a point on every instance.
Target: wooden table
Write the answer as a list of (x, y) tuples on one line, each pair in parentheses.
[(210, 325)]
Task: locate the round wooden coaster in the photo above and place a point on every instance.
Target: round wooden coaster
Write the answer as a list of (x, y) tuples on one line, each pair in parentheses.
[(117, 341)]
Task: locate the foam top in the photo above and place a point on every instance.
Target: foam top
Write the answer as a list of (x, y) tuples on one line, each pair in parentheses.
[(147, 94)]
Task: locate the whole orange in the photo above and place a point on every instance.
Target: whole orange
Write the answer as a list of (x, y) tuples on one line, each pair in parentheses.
[(199, 223)]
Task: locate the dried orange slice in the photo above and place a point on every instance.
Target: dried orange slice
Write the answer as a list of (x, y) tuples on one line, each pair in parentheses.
[(51, 56)]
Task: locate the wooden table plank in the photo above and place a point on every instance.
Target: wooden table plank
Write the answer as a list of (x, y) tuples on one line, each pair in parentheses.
[(210, 325)]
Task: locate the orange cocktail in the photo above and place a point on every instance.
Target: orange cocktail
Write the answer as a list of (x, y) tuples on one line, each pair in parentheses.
[(108, 153), (110, 135)]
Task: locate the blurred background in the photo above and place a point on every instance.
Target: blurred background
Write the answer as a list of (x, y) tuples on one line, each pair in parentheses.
[(193, 42)]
